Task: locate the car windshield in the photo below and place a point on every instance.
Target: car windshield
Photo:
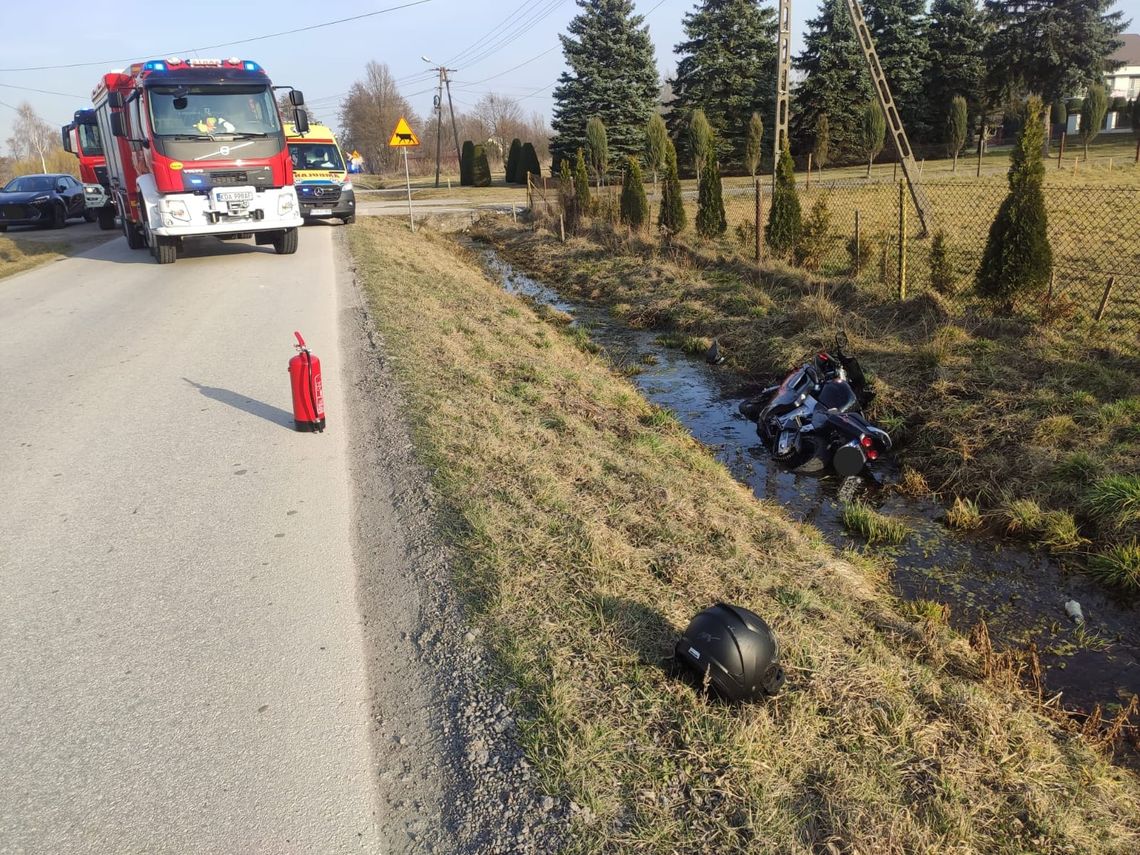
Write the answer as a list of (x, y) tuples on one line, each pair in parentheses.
[(209, 111), (30, 184), (89, 139), (315, 156)]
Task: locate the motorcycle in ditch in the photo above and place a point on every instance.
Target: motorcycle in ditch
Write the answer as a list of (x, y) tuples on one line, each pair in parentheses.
[(814, 418)]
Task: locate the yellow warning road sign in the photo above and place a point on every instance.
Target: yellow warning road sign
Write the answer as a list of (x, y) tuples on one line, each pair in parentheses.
[(403, 135)]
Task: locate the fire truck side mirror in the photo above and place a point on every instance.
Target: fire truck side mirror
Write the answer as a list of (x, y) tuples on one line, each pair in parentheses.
[(115, 100), (296, 97), (65, 131), (300, 120), (117, 125)]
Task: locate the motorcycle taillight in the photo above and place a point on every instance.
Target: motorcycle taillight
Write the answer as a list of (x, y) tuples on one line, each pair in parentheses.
[(866, 442), (872, 454)]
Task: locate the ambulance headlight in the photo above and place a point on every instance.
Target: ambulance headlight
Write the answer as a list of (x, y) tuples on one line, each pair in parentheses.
[(346, 187)]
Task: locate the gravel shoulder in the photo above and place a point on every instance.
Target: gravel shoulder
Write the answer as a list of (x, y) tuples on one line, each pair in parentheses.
[(450, 773)]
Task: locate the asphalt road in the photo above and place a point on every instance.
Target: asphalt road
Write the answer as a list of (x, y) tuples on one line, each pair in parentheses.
[(181, 658)]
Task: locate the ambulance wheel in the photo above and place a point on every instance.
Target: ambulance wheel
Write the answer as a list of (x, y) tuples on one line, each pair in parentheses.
[(106, 218), (89, 216), (286, 242), (164, 249), (349, 220)]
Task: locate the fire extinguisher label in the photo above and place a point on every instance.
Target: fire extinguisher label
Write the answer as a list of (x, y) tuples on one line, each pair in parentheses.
[(318, 389)]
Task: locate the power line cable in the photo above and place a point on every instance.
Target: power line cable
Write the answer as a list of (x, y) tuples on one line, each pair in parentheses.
[(43, 91), (228, 44)]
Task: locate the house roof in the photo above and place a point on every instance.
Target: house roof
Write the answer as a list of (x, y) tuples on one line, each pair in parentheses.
[(1129, 53)]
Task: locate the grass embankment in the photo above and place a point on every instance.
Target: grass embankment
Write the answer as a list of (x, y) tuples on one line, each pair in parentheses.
[(17, 255), (590, 527), (1039, 427)]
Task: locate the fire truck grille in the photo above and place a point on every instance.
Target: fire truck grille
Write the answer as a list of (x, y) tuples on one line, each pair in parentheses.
[(235, 178)]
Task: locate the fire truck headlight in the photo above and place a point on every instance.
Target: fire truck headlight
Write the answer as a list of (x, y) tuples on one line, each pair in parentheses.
[(176, 209), (286, 203)]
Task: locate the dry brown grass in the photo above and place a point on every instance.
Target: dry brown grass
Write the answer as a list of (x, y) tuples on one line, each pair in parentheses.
[(589, 527), (18, 255)]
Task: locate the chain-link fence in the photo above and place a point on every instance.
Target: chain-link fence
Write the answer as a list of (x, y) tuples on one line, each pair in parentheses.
[(1094, 232)]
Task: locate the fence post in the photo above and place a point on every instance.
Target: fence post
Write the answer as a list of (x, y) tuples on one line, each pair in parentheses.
[(562, 227), (807, 178), (902, 240), (1104, 298), (858, 245), (895, 176), (1061, 151), (759, 209)]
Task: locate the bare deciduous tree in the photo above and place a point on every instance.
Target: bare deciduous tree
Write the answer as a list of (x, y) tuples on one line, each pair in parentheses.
[(369, 114), (32, 136)]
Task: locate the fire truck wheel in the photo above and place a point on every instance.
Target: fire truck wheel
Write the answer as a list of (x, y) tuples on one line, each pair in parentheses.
[(134, 235), (106, 218), (286, 242), (164, 249)]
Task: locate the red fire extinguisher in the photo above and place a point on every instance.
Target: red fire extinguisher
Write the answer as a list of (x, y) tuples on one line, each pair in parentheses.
[(308, 397)]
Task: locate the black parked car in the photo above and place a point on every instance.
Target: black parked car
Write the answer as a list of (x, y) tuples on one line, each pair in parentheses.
[(41, 200)]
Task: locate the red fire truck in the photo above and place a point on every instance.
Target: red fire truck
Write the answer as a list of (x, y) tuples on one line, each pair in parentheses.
[(81, 138), (197, 148)]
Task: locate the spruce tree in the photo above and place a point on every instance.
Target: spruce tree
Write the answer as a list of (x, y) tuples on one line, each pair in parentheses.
[(835, 82), (872, 132), (612, 75), (727, 68), (698, 139), (957, 38), (784, 216), (513, 161), (1018, 259), (582, 184), (821, 150), (480, 168), (899, 29), (672, 216), (597, 145), (466, 163), (656, 141), (753, 143), (956, 128), (710, 200), (528, 163), (634, 205), (1092, 114)]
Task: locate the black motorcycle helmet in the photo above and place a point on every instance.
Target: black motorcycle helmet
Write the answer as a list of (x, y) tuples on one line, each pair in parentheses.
[(737, 651)]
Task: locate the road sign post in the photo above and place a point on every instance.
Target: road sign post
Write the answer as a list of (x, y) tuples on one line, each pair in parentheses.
[(404, 137)]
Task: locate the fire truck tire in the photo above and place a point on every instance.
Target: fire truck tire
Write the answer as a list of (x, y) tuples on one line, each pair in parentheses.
[(106, 218), (134, 235), (286, 242), (164, 249)]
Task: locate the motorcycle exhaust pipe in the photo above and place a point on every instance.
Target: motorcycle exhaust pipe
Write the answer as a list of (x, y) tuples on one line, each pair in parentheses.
[(849, 459)]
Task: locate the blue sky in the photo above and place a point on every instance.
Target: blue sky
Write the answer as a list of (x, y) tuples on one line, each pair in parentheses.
[(322, 62)]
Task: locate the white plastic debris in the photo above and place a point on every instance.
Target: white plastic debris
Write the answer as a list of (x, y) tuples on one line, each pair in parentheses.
[(1073, 610)]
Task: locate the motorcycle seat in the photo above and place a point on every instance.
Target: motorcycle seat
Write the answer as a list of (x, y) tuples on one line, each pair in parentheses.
[(837, 396)]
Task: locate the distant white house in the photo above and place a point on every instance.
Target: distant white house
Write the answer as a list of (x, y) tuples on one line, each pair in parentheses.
[(1122, 83)]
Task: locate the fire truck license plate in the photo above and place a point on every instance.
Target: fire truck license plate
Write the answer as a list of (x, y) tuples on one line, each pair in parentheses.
[(234, 196)]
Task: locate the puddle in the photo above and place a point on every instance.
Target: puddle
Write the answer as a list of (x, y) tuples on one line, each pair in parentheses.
[(1020, 593)]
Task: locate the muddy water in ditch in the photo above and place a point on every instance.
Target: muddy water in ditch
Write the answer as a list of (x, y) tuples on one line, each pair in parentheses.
[(1021, 594)]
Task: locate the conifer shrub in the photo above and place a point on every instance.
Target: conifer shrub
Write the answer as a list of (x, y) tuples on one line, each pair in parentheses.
[(582, 185), (812, 245), (710, 200), (1018, 258), (634, 204), (528, 163), (671, 219), (480, 168), (570, 208), (513, 161), (784, 217), (466, 162), (941, 272)]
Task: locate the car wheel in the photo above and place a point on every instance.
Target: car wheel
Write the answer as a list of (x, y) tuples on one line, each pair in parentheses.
[(90, 216), (349, 220), (286, 242), (58, 217), (3, 227)]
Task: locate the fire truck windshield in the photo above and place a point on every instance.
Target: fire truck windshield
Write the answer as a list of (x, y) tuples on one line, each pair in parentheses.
[(89, 140), (205, 112)]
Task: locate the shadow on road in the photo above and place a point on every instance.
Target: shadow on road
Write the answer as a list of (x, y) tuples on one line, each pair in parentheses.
[(248, 405)]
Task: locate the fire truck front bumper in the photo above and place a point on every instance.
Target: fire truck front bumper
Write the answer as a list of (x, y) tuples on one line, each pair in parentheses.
[(225, 210)]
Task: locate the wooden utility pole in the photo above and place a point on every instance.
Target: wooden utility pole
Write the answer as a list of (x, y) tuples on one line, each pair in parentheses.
[(438, 123), (451, 108)]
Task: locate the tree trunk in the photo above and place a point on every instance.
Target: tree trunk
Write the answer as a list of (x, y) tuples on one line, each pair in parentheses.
[(1048, 129), (870, 160), (955, 169), (43, 162), (1138, 149)]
